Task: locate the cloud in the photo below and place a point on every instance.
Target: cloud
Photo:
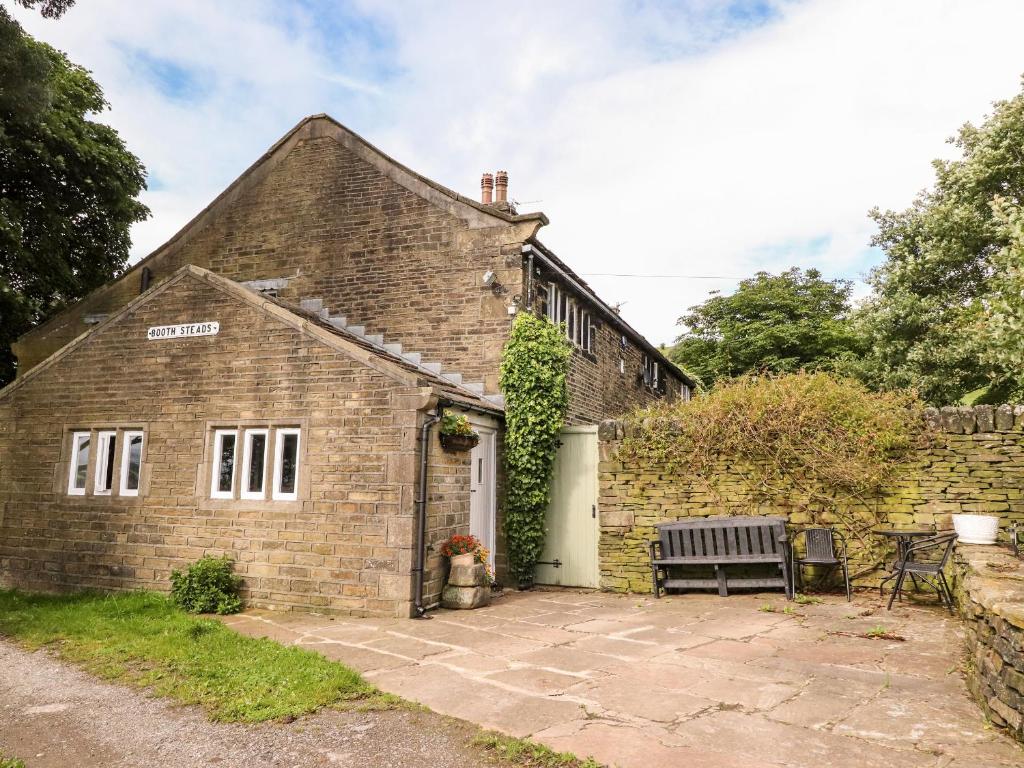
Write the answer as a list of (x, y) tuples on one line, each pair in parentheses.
[(694, 138)]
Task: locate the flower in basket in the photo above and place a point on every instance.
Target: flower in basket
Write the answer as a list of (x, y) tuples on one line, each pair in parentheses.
[(456, 433), (456, 424), (460, 545)]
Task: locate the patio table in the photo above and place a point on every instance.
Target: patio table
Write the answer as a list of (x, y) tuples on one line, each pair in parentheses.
[(904, 537)]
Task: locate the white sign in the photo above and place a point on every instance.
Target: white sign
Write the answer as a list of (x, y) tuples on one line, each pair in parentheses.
[(205, 328)]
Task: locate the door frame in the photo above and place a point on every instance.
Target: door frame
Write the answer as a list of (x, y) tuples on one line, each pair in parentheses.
[(485, 424)]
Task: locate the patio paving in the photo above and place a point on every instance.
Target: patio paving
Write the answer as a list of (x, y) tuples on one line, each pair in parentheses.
[(686, 680)]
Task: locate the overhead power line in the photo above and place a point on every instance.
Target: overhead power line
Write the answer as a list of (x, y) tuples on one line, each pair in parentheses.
[(686, 277)]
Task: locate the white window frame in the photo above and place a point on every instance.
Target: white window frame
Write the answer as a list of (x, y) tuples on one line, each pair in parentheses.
[(76, 448), (218, 444), (126, 437), (244, 492), (279, 434), (103, 457), (684, 392)]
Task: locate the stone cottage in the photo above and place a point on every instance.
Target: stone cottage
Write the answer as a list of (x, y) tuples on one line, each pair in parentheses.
[(267, 384)]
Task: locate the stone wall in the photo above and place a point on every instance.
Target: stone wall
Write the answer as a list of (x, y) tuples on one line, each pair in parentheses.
[(989, 589), (976, 465)]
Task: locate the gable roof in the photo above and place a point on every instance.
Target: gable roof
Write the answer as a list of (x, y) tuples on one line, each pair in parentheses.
[(392, 366)]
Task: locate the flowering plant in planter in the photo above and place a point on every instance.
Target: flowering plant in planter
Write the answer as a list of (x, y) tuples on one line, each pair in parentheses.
[(456, 433), (460, 545)]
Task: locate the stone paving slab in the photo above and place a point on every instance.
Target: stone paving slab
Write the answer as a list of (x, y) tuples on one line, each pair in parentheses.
[(686, 680)]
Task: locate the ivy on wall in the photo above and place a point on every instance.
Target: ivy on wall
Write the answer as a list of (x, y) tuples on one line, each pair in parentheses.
[(534, 367), (807, 443)]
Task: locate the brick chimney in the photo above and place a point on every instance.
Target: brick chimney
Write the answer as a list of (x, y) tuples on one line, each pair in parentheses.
[(486, 187), (501, 187)]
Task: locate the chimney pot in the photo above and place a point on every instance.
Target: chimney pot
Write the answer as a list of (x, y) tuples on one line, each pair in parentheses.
[(486, 187), (501, 186)]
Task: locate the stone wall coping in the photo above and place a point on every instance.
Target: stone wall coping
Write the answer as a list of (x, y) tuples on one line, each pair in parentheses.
[(952, 419), (994, 580)]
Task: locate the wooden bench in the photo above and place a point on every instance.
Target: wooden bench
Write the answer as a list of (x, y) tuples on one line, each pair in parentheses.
[(721, 541)]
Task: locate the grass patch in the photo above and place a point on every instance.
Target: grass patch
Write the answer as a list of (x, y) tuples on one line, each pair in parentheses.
[(142, 639), (11, 762), (528, 753)]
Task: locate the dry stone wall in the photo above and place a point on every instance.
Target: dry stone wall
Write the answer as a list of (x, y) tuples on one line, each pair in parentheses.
[(989, 587), (974, 465)]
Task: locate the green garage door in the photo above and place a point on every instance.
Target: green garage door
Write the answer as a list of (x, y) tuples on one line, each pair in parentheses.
[(570, 549)]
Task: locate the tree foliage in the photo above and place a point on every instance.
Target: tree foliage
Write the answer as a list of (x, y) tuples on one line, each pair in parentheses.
[(920, 326), (68, 187), (778, 323), (534, 367), (50, 9)]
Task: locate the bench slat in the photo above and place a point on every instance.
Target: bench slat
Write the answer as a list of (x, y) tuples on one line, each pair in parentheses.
[(713, 583), (728, 560)]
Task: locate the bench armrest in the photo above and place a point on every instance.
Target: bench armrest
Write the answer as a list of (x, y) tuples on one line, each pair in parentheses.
[(654, 547)]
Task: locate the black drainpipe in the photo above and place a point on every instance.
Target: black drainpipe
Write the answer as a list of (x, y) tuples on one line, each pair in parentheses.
[(421, 511)]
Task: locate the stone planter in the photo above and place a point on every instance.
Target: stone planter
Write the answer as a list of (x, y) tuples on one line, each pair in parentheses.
[(467, 586), (976, 529), (465, 560), (456, 443)]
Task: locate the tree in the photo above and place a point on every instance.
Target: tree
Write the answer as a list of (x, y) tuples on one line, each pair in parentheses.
[(68, 187), (50, 9), (920, 327), (779, 323)]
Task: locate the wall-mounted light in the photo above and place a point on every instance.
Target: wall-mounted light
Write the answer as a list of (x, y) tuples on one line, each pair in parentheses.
[(491, 281)]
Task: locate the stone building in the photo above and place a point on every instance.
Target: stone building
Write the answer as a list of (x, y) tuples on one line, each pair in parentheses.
[(267, 384)]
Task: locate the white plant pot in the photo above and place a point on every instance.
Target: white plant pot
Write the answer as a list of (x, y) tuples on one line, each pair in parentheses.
[(976, 529)]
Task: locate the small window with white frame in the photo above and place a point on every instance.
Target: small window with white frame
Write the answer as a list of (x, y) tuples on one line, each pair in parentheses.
[(78, 474), (254, 464), (106, 452), (131, 463), (225, 445), (286, 464)]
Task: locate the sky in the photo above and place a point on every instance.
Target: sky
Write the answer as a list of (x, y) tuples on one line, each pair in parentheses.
[(692, 143)]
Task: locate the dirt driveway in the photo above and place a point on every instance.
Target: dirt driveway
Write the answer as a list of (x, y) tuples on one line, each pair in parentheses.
[(687, 680), (55, 716)]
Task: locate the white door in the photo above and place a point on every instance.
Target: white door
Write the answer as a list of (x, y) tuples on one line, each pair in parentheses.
[(572, 528), (482, 491)]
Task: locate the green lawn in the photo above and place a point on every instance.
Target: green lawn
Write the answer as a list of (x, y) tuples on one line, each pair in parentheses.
[(141, 638)]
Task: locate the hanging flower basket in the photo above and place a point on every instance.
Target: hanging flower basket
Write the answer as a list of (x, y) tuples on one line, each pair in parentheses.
[(457, 434), (455, 443)]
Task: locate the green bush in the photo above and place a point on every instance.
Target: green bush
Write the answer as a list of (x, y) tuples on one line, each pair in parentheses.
[(208, 586)]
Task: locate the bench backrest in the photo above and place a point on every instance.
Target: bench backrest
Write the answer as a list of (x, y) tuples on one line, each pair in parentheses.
[(724, 537)]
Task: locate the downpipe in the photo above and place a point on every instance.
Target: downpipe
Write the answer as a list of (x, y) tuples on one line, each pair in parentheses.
[(421, 513)]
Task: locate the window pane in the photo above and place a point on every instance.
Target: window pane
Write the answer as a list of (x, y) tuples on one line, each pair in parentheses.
[(105, 459), (227, 463), (289, 460), (82, 461), (134, 463), (257, 459)]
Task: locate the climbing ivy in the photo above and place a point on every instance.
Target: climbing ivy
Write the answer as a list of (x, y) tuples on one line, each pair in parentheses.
[(533, 379)]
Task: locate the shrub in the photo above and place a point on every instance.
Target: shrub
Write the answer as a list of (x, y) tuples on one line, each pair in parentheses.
[(810, 443), (208, 586)]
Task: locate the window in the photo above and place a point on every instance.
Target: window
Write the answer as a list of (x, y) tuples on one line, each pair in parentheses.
[(684, 392), (254, 463), (223, 481), (622, 365), (579, 326), (106, 450), (79, 463), (652, 374), (286, 464), (131, 463)]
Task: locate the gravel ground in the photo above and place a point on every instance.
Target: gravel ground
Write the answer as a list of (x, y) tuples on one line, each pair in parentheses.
[(52, 714)]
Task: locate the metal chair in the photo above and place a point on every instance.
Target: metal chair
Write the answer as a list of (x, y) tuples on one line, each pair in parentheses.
[(926, 559), (820, 549)]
